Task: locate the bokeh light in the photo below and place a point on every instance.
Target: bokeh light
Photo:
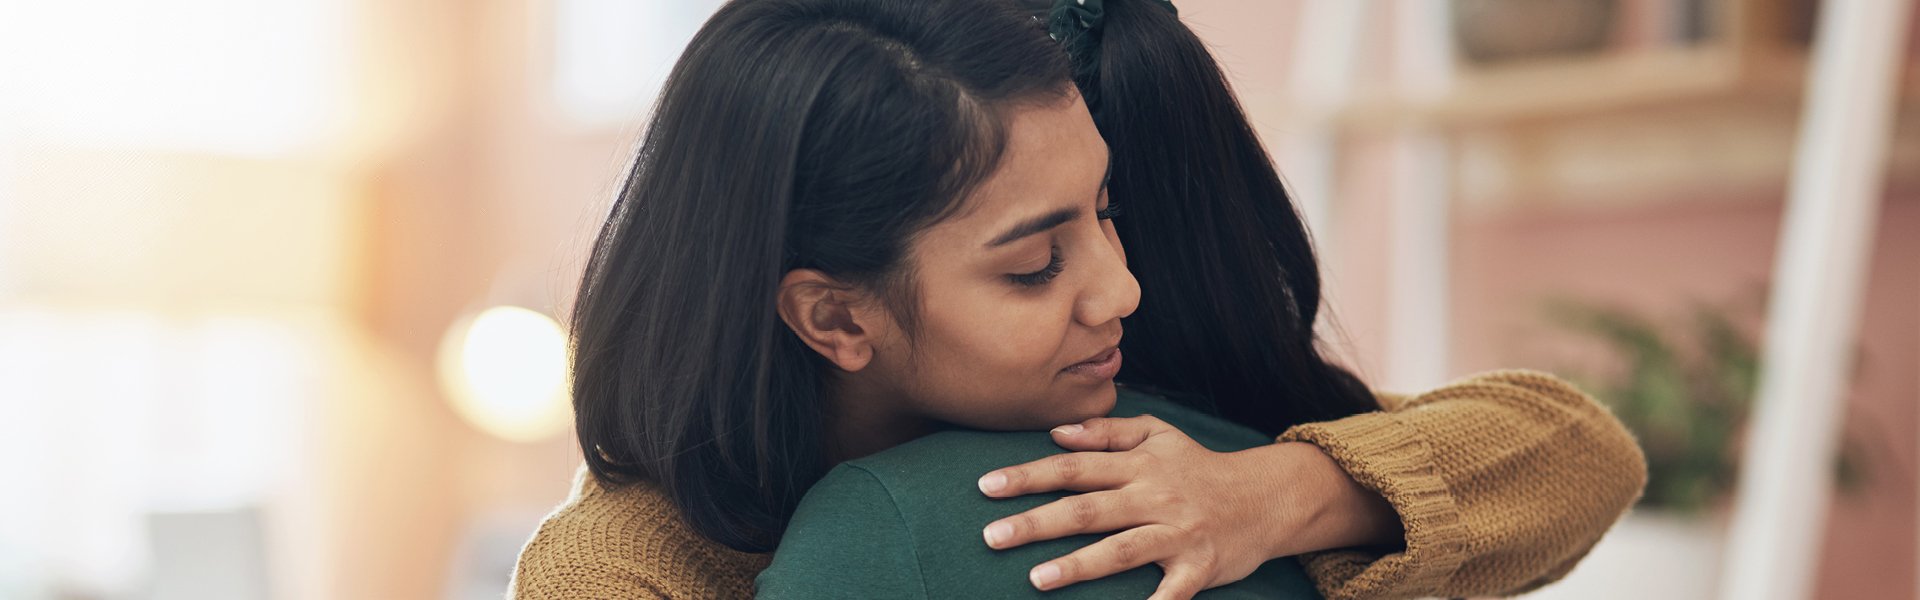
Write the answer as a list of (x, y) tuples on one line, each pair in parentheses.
[(505, 370)]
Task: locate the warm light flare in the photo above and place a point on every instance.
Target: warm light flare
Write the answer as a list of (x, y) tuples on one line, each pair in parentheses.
[(506, 372)]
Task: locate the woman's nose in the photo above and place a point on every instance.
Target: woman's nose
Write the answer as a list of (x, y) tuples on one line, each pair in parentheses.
[(1113, 292)]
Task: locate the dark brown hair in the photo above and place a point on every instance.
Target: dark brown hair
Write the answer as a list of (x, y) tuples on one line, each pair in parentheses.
[(1229, 284), (791, 134)]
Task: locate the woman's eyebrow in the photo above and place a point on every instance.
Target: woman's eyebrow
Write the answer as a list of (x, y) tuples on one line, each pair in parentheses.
[(1034, 225)]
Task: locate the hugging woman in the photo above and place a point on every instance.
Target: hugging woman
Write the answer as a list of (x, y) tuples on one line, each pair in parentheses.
[(860, 233)]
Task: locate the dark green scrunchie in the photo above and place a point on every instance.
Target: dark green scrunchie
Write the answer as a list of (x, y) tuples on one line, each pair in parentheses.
[(1076, 24), (1068, 16)]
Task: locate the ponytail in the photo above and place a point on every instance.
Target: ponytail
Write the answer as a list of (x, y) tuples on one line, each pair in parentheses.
[(1229, 282)]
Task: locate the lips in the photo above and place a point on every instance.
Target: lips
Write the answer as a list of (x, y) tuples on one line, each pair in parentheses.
[(1101, 367), (1097, 357)]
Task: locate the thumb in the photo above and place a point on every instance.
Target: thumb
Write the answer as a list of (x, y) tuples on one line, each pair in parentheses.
[(1109, 434)]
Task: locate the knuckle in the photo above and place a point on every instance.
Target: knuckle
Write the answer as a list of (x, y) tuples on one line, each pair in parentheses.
[(1016, 477), (1083, 512), (1126, 549), (1024, 523), (1146, 461), (1166, 498), (1069, 467), (1070, 568), (1205, 561)]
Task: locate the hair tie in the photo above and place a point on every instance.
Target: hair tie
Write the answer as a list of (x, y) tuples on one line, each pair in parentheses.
[(1069, 18), (1076, 25)]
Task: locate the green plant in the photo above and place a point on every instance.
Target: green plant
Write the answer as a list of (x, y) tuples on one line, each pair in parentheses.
[(1685, 391)]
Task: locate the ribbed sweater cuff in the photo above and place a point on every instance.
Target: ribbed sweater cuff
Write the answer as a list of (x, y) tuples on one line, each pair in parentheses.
[(1395, 460)]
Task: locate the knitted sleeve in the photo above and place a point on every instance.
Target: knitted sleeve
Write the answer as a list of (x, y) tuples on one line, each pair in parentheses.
[(1503, 481), (579, 552), (626, 542)]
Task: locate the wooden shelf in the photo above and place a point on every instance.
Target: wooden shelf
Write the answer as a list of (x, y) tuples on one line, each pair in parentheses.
[(1714, 121), (1756, 52), (1557, 89)]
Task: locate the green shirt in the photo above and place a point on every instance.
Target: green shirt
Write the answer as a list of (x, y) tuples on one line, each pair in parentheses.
[(906, 523)]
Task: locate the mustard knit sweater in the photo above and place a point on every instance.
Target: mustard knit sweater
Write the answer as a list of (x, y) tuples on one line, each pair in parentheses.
[(1503, 481)]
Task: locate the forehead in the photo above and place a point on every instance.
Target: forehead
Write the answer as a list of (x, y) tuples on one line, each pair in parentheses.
[(1054, 158)]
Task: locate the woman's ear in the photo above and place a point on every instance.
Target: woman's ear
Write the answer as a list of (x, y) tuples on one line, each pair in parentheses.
[(826, 315)]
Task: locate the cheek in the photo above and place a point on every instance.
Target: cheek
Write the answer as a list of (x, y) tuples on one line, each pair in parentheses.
[(986, 349), (1018, 338), (989, 361)]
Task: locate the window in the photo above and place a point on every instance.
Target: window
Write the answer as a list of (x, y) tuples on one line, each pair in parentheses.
[(221, 76), (610, 57)]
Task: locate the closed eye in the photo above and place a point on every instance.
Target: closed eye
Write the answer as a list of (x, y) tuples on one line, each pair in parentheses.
[(1042, 276)]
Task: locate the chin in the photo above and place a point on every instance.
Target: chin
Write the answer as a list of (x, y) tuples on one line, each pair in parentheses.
[(1096, 403), (1040, 414)]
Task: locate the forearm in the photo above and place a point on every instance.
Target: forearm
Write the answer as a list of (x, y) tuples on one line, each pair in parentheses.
[(1501, 481)]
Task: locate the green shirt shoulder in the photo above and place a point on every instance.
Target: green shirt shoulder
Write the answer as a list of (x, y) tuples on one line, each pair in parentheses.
[(905, 523)]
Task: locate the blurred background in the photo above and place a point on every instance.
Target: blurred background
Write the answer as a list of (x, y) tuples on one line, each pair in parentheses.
[(279, 281)]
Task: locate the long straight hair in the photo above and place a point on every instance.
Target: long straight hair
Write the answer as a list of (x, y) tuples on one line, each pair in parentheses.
[(791, 134), (1230, 287)]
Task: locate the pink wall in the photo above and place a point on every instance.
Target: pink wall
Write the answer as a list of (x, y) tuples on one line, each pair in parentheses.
[(1662, 259)]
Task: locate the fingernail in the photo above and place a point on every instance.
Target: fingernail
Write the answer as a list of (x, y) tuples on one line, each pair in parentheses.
[(1044, 575), (998, 532), (993, 482), (1069, 429)]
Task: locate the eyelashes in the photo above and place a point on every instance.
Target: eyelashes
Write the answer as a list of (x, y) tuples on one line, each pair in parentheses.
[(1055, 264), (1042, 276)]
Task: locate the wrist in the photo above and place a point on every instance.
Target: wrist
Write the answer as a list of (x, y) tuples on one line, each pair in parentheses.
[(1328, 508), (1349, 513)]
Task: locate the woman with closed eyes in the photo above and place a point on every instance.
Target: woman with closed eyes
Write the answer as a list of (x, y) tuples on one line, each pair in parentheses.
[(860, 233)]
